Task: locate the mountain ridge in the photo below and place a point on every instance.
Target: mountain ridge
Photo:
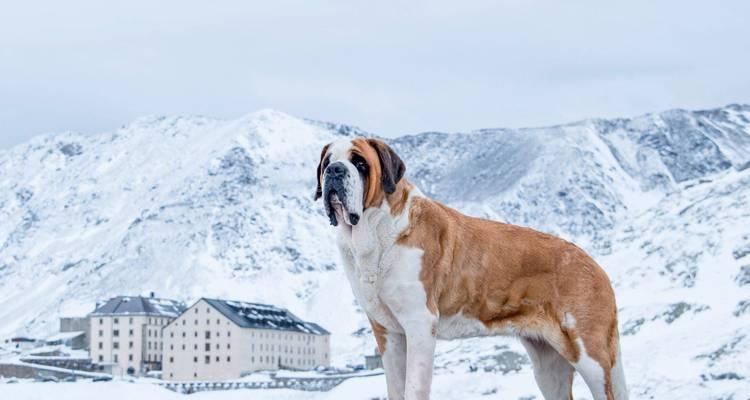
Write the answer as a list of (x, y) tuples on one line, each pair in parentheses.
[(196, 206)]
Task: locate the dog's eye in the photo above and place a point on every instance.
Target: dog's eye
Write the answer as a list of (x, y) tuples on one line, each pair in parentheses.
[(359, 163)]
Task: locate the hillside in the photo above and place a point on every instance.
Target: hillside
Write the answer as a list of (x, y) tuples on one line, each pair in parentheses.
[(194, 206)]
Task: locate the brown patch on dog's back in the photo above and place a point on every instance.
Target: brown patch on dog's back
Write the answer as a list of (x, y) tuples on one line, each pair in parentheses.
[(512, 279)]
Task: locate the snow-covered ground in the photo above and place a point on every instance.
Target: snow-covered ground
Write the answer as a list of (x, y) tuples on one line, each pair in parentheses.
[(449, 387), (192, 206)]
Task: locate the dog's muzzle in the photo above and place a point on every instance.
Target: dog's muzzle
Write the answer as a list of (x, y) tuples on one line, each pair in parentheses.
[(335, 196)]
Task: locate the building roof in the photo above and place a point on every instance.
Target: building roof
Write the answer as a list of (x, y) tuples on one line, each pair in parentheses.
[(65, 336), (139, 305), (264, 316)]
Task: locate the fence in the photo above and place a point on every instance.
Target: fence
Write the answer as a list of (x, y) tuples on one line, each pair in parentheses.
[(322, 384)]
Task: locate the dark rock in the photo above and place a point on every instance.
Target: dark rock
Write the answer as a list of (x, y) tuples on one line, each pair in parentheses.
[(743, 277), (742, 307), (71, 149)]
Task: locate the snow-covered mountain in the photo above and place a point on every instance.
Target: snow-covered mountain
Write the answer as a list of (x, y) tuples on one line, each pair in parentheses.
[(194, 206)]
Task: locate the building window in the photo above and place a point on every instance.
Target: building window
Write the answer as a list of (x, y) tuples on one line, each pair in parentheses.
[(229, 333), (252, 359), (130, 320), (229, 359), (130, 345), (130, 332), (171, 347), (195, 333), (218, 321), (101, 345), (208, 334), (101, 321), (116, 332), (208, 310), (116, 320), (171, 360), (115, 345), (101, 332), (195, 359), (183, 347), (101, 358), (130, 357), (171, 334), (208, 360), (217, 346), (229, 346), (115, 358), (196, 310), (217, 358), (183, 322), (196, 322), (183, 334), (195, 347), (208, 346), (171, 375), (208, 321)]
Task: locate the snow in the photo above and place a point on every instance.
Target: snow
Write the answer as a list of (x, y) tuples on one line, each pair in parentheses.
[(192, 207), (85, 391), (352, 389), (64, 336)]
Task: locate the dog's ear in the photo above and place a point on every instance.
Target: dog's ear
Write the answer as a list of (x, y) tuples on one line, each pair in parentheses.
[(319, 190), (391, 166)]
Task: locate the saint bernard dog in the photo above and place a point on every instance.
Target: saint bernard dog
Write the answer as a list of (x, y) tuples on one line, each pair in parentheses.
[(423, 271)]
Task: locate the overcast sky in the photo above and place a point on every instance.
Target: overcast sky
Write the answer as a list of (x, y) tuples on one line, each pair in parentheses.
[(390, 68)]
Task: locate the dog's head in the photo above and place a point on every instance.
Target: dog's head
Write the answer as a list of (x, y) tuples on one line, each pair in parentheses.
[(354, 175)]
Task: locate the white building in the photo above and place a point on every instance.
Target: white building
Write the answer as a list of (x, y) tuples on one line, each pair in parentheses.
[(221, 339), (126, 332)]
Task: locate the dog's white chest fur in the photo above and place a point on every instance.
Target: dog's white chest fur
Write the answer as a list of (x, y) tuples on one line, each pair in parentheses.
[(384, 275)]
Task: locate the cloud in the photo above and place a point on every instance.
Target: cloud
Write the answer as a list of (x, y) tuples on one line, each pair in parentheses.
[(391, 68)]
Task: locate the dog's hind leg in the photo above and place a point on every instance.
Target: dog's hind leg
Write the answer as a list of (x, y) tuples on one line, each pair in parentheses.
[(553, 373), (603, 375)]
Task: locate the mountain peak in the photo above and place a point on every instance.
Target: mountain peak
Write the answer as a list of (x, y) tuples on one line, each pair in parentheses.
[(190, 207)]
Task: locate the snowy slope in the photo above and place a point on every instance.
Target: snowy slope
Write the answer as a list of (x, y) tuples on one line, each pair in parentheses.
[(192, 206)]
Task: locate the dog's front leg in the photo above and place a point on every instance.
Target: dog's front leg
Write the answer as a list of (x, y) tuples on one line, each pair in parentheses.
[(394, 364), (420, 352)]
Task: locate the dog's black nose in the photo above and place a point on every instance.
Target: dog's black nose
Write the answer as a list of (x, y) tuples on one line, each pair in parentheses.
[(336, 170)]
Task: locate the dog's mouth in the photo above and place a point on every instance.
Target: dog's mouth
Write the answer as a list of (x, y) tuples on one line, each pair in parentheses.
[(337, 211)]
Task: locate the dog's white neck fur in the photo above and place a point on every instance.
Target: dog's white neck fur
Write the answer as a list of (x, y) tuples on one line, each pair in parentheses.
[(367, 257)]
